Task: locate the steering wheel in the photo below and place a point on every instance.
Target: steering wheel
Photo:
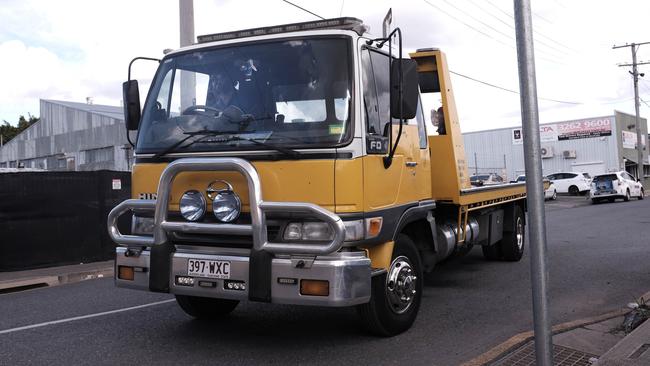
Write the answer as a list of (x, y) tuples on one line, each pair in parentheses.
[(201, 109)]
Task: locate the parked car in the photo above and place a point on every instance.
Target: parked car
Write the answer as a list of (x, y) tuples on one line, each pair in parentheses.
[(550, 193), (615, 185), (485, 179), (572, 183)]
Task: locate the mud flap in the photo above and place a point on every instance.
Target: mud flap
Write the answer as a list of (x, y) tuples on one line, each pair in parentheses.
[(160, 267), (259, 276)]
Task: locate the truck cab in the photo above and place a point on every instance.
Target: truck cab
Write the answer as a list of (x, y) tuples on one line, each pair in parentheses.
[(291, 164)]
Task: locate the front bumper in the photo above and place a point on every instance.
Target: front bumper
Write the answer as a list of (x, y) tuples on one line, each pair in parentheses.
[(157, 261), (348, 274)]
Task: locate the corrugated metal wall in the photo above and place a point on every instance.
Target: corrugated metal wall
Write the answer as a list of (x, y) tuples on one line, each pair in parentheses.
[(59, 141), (494, 147)]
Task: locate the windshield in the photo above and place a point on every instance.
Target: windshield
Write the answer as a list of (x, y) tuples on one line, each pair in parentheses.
[(606, 177), (295, 93)]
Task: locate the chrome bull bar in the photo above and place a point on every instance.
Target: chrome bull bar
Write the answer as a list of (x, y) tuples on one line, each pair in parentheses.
[(258, 210)]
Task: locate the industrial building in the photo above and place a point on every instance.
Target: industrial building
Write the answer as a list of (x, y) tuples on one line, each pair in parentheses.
[(594, 145), (71, 137)]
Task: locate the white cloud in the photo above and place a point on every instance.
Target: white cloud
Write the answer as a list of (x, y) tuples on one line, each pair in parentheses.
[(73, 49)]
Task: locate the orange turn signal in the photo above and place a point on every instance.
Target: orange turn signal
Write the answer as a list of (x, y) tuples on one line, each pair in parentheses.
[(314, 287), (125, 273), (373, 226)]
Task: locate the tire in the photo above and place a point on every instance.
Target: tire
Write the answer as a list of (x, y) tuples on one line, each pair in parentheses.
[(554, 197), (386, 314), (627, 196), (206, 308), (595, 201), (512, 244), (574, 191), (641, 194)]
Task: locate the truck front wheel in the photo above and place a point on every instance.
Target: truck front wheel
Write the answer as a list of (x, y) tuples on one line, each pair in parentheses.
[(395, 295), (204, 307)]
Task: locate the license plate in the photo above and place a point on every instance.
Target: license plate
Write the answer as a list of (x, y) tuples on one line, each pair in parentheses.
[(208, 268)]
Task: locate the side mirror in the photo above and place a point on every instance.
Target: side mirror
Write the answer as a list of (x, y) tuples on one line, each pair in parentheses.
[(409, 102), (131, 97)]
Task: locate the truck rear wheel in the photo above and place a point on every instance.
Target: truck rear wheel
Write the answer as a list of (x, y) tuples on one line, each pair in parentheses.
[(396, 295), (512, 244), (204, 307)]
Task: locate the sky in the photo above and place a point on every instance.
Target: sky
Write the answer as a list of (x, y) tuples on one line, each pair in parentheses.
[(70, 50)]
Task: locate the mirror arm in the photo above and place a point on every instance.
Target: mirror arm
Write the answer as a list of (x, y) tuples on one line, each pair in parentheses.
[(140, 58), (388, 160)]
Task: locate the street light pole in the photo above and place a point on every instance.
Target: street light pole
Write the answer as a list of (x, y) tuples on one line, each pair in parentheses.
[(534, 182)]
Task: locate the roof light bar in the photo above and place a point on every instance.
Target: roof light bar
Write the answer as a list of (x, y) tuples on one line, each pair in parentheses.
[(345, 23)]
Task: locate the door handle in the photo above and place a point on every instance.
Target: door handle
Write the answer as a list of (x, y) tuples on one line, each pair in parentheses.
[(411, 163)]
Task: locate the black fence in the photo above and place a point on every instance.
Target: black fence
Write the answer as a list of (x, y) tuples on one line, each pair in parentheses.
[(56, 218)]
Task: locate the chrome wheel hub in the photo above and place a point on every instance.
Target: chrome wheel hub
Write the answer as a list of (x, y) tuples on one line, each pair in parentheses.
[(400, 285), (520, 233)]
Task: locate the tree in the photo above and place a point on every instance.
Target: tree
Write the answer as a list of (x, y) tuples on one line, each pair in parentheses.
[(8, 131)]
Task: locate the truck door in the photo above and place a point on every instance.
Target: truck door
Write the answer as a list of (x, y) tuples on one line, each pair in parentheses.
[(404, 181)]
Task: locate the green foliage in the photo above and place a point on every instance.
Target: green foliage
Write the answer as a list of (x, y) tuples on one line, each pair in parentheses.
[(8, 131)]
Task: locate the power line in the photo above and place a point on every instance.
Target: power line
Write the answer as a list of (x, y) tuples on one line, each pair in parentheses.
[(509, 36), (539, 34), (303, 9), (510, 90), (534, 30), (485, 34), (644, 102)]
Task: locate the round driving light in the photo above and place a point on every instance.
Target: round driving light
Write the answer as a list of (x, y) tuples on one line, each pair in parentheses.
[(192, 205), (226, 206)]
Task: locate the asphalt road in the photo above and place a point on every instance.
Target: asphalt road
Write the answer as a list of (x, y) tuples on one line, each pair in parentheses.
[(599, 258)]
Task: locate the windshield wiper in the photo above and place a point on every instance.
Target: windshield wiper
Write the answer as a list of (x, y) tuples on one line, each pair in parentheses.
[(189, 135), (284, 150)]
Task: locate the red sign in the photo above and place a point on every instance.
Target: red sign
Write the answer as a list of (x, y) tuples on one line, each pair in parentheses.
[(584, 129)]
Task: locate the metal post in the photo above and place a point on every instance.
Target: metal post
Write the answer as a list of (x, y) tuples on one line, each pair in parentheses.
[(188, 79), (639, 145), (475, 164), (534, 183), (635, 76)]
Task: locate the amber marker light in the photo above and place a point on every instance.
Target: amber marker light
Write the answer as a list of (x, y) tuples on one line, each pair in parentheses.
[(373, 226), (125, 273), (315, 287)]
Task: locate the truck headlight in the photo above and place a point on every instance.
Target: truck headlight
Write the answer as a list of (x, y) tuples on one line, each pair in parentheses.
[(313, 231), (226, 206), (192, 205)]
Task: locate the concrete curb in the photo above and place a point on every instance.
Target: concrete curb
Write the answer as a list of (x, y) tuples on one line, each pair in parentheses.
[(27, 283), (522, 338)]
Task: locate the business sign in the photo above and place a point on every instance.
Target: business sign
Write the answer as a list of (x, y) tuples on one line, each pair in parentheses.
[(629, 140), (547, 133), (583, 129)]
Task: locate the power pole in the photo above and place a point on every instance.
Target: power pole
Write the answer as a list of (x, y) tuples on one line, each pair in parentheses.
[(188, 79), (534, 183), (635, 76)]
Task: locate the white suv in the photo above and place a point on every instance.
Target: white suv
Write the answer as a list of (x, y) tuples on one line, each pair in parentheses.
[(572, 183), (615, 185)]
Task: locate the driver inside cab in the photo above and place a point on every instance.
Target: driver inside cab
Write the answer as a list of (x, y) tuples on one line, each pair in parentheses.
[(221, 92)]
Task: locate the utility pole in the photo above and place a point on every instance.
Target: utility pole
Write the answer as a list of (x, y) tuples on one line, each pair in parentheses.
[(188, 79), (534, 183), (635, 76)]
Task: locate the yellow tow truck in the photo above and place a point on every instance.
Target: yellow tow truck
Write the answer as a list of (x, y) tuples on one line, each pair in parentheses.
[(291, 164)]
